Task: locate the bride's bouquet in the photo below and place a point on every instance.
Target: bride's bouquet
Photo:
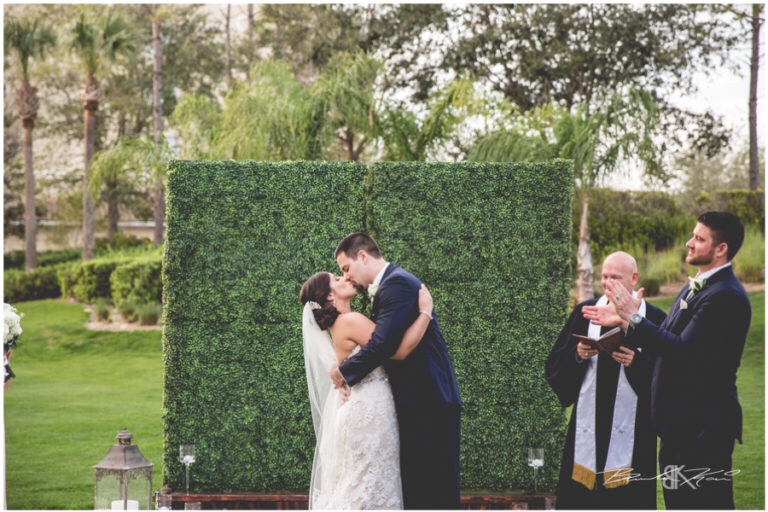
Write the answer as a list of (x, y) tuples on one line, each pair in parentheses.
[(11, 332)]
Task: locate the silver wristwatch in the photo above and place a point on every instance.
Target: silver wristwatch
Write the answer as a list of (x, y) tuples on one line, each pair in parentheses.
[(635, 320)]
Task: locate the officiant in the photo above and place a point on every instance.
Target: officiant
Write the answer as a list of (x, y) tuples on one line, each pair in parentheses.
[(609, 458)]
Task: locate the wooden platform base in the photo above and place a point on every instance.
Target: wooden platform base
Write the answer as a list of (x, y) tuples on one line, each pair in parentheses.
[(298, 501)]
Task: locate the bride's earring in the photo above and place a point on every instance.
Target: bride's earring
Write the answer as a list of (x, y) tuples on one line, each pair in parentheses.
[(334, 302)]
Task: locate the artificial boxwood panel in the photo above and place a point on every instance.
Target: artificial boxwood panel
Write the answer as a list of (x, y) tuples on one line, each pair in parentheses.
[(490, 240), (241, 238)]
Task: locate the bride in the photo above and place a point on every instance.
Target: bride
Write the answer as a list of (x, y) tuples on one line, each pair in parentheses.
[(357, 455)]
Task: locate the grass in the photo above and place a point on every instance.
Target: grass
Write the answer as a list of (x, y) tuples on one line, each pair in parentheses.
[(749, 458), (75, 389)]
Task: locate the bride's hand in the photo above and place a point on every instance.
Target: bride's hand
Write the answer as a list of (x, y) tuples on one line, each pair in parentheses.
[(339, 383), (425, 299)]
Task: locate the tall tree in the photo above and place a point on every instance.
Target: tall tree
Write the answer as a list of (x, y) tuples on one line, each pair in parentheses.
[(157, 99), (131, 162), (596, 141), (308, 36), (346, 89), (274, 118), (407, 137), (754, 159), (249, 48), (228, 45), (94, 44), (567, 54), (27, 39)]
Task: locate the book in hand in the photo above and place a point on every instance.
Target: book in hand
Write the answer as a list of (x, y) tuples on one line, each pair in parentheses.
[(608, 342)]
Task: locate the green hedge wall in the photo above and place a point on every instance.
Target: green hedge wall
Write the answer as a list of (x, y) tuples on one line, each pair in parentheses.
[(490, 240)]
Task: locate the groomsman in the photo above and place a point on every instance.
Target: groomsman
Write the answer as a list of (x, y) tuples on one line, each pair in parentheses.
[(694, 402)]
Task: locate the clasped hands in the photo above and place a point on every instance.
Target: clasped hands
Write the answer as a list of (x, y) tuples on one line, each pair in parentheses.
[(620, 308)]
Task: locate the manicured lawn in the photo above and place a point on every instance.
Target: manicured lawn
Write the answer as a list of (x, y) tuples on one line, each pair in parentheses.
[(77, 388)]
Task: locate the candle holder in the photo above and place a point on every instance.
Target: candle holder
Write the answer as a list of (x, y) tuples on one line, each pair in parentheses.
[(187, 457), (535, 460)]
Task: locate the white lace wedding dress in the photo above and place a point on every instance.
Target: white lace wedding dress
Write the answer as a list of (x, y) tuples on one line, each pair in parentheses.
[(360, 459)]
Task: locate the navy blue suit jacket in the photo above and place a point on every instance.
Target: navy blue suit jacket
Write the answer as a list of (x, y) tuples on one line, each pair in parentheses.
[(699, 347), (426, 378)]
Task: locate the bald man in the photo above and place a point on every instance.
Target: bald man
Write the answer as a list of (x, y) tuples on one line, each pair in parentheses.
[(609, 459)]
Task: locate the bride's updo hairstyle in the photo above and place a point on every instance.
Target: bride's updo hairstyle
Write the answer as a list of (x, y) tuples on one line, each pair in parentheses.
[(316, 289)]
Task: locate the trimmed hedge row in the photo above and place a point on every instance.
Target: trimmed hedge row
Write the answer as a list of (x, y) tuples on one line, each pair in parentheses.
[(133, 276), (490, 240), (622, 219), (16, 259), (139, 281), (37, 284), (654, 220)]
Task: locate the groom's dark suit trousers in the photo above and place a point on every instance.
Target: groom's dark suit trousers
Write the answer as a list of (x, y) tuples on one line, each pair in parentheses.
[(429, 454)]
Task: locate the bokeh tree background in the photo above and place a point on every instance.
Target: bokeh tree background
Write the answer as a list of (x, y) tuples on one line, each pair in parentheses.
[(600, 84)]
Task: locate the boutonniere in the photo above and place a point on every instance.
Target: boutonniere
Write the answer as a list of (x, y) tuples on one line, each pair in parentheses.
[(696, 284), (372, 290), (683, 304)]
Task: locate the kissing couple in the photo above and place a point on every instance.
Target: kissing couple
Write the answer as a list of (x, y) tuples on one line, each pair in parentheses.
[(383, 392)]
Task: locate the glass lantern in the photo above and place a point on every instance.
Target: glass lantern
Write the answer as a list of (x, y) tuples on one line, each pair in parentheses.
[(123, 477)]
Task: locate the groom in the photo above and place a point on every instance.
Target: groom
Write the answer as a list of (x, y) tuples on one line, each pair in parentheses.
[(424, 385)]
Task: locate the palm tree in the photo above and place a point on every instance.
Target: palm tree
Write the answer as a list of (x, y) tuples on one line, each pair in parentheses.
[(754, 160), (407, 138), (159, 191), (596, 142), (141, 160), (93, 44), (346, 92), (273, 118), (27, 39)]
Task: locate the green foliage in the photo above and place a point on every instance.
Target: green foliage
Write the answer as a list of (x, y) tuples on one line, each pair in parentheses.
[(149, 313), (749, 205), (88, 281), (118, 242), (627, 221), (490, 240), (102, 310), (27, 38), (650, 285), (40, 283), (749, 263), (138, 281), (127, 309), (15, 259)]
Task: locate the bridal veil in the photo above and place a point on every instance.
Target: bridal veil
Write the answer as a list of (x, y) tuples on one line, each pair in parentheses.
[(319, 357)]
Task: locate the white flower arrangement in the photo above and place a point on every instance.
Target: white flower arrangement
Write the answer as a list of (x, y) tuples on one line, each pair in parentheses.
[(11, 326), (11, 332)]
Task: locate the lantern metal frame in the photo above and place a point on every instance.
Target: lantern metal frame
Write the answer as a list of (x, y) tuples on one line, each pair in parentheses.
[(125, 463)]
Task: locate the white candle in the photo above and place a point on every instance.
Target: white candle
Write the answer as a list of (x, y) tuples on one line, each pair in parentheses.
[(132, 505)]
